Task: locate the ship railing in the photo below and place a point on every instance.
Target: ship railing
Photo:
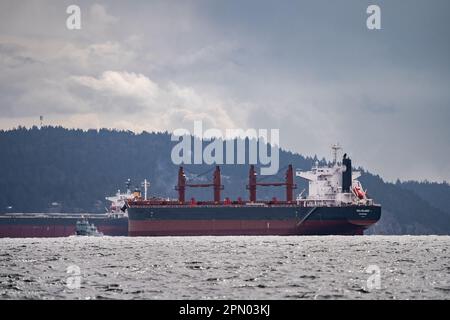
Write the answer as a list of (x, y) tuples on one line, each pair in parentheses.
[(174, 203), (332, 203), (317, 202)]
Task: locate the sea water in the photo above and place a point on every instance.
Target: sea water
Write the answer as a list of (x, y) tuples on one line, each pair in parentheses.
[(259, 267)]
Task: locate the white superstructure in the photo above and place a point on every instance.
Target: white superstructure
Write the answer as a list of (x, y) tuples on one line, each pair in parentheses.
[(326, 186), (118, 202)]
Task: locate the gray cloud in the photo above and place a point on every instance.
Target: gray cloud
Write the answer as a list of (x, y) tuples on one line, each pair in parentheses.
[(310, 68)]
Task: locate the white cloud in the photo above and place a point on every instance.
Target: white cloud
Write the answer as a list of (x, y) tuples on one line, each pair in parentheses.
[(122, 84), (98, 14), (317, 75), (158, 107)]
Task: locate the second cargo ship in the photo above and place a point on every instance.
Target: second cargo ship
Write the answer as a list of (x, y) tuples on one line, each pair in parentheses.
[(336, 205), (47, 225)]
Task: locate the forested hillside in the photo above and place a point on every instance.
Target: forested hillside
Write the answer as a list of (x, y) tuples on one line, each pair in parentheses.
[(58, 169)]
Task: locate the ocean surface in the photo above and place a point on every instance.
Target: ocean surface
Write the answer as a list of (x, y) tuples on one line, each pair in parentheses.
[(333, 267)]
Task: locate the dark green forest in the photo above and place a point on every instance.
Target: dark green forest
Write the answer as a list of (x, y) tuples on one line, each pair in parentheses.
[(54, 169)]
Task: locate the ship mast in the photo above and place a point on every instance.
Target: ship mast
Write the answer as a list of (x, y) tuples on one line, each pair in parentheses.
[(145, 184), (336, 147), (128, 184)]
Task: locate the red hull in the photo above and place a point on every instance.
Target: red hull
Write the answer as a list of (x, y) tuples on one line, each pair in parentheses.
[(242, 227), (52, 230), (31, 231)]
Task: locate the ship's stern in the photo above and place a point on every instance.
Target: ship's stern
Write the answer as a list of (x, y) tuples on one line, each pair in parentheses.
[(362, 217)]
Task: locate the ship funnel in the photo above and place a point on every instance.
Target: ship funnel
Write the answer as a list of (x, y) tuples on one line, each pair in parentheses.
[(347, 174)]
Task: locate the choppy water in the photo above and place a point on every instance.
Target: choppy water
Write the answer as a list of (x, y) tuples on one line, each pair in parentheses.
[(226, 268)]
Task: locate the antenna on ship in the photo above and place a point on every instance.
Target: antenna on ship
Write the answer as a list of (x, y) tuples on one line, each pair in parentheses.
[(145, 184), (336, 147), (128, 184)]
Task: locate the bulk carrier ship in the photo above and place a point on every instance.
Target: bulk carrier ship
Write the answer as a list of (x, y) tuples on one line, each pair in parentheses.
[(336, 205)]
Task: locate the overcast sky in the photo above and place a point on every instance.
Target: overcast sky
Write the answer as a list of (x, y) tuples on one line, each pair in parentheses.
[(310, 68)]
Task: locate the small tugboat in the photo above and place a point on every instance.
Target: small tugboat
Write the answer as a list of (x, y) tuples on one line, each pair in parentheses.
[(84, 228)]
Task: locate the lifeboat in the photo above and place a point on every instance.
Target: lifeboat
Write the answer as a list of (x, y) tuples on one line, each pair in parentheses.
[(357, 190)]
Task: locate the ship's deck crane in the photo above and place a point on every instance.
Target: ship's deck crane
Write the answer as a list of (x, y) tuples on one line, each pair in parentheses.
[(181, 186), (289, 183)]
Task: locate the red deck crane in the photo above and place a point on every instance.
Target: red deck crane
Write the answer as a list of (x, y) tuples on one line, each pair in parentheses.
[(181, 186), (289, 183)]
